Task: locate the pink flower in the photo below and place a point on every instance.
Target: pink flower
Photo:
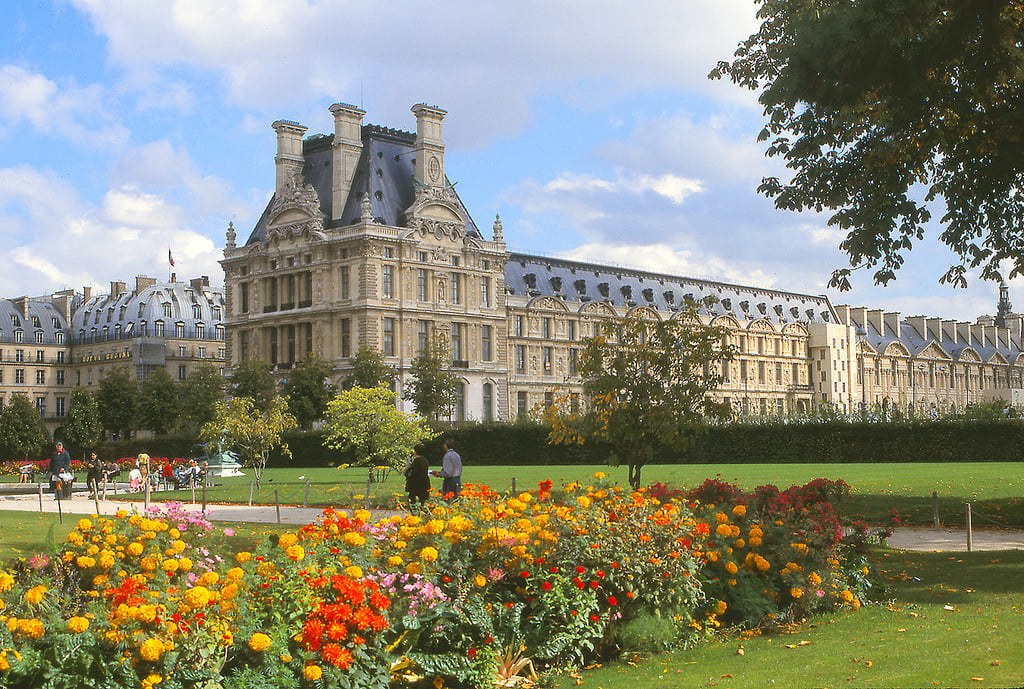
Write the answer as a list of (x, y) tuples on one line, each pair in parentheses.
[(229, 532)]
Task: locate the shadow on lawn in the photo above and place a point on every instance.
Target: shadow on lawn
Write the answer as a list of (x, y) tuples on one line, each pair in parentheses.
[(931, 577)]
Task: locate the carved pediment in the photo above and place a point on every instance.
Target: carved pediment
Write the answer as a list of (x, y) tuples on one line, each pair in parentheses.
[(598, 308), (295, 202), (546, 302), (436, 210)]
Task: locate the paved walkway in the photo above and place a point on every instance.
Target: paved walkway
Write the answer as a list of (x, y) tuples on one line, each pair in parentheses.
[(903, 538)]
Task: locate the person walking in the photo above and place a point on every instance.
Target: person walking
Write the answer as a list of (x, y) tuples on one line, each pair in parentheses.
[(60, 463), (417, 477), (451, 471), (93, 474)]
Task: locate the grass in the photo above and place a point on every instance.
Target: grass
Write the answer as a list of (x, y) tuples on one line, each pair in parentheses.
[(995, 489), (911, 641)]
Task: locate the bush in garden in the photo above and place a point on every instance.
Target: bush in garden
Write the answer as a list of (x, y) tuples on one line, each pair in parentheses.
[(482, 590)]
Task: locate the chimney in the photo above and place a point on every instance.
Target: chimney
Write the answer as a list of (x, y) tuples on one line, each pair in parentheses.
[(978, 334), (1003, 335), (918, 324), (934, 326), (86, 294), (892, 322), (196, 284), (289, 159), (859, 316), (62, 303), (990, 335), (949, 331), (142, 282), (1016, 325), (875, 319), (117, 289), (429, 167), (844, 314), (21, 303), (348, 145), (963, 332)]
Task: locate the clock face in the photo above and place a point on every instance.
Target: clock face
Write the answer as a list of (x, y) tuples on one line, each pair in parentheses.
[(435, 169)]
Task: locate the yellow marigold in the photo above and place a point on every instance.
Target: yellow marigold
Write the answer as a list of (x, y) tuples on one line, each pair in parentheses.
[(761, 564), (739, 510), (846, 596), (295, 552), (394, 561), (170, 566), (198, 597), (795, 592), (34, 595), (146, 614), (712, 556), (480, 580), (732, 582), (84, 524), (814, 578), (135, 548), (92, 550), (148, 564), (721, 607), (259, 642), (723, 530), (77, 625), (75, 538), (731, 567), (243, 557), (287, 539), (739, 543), (208, 579), (429, 554), (599, 475), (184, 564), (179, 545), (583, 501), (354, 572), (152, 649), (414, 568), (229, 591), (312, 672), (856, 604), (106, 559), (354, 539), (755, 541), (234, 574), (174, 533), (151, 681), (286, 658), (6, 581)]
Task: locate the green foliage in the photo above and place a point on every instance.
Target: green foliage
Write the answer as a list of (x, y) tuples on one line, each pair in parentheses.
[(433, 386), (648, 383), (159, 403), (369, 370), (649, 633), (82, 427), (887, 110), (118, 400), (253, 432), (308, 390), (22, 433), (200, 392), (366, 422), (255, 380)]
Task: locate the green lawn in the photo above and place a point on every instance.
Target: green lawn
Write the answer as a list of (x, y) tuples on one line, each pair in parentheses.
[(912, 641)]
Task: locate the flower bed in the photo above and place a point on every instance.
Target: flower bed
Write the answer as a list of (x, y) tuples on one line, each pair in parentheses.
[(12, 468), (488, 591)]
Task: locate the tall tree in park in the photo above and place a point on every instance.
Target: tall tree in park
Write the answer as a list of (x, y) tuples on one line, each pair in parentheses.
[(118, 400), (200, 392), (366, 422), (159, 404), (255, 380), (22, 433), (888, 110), (647, 381), (369, 370), (82, 427), (308, 390), (433, 386), (254, 432)]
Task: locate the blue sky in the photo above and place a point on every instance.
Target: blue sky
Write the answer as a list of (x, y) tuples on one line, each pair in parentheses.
[(127, 126)]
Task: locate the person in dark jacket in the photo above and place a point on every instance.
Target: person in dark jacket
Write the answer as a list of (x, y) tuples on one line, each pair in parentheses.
[(60, 462), (417, 476), (93, 474)]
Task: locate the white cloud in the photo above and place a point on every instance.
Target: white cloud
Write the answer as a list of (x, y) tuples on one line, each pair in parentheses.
[(67, 110)]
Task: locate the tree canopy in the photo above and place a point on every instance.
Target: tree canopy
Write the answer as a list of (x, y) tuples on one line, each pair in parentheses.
[(369, 369), (648, 382), (22, 433), (886, 110), (365, 421), (308, 390), (238, 422), (118, 400), (159, 404), (82, 428), (200, 392), (255, 380), (433, 386)]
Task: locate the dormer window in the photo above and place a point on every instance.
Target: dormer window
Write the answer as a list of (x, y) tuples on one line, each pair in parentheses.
[(35, 322), (56, 323), (15, 321), (197, 311), (39, 337), (142, 307), (167, 309), (121, 314)]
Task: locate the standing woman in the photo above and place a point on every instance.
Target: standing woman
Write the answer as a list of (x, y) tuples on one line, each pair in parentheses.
[(417, 477), (93, 473), (60, 462)]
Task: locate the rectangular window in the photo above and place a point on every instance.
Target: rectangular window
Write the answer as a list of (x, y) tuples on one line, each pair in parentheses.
[(346, 337), (520, 358), (519, 326), (423, 256), (422, 336), (796, 374), (19, 354), (573, 356), (60, 406), (760, 372), (546, 329), (40, 377), (182, 372), (19, 376), (574, 403), (179, 330), (39, 337), (521, 404), (344, 280), (19, 335), (547, 360), (488, 402), (388, 282), (181, 350), (243, 297), (571, 330), (549, 399), (485, 292), (778, 373), (389, 337), (460, 402), (485, 343), (389, 252), (41, 406), (724, 366), (39, 356), (743, 370), (457, 331), (422, 283), (243, 346), (760, 345), (60, 376), (456, 288), (202, 352)]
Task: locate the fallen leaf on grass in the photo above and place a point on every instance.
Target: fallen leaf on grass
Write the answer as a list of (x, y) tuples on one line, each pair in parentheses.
[(802, 643), (977, 679), (740, 651), (868, 663), (901, 630), (994, 662), (948, 607), (725, 677)]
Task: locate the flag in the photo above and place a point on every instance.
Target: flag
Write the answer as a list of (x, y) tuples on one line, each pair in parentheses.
[(170, 259)]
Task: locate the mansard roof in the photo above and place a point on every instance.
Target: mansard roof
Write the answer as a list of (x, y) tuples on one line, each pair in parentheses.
[(30, 316), (129, 310), (916, 342), (384, 170), (574, 281)]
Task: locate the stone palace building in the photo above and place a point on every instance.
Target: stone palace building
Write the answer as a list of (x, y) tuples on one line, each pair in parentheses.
[(366, 242)]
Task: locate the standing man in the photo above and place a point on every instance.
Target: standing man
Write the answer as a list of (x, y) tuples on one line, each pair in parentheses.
[(451, 471), (60, 462)]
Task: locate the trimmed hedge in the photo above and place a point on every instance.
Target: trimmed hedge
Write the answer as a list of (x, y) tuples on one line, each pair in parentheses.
[(771, 443)]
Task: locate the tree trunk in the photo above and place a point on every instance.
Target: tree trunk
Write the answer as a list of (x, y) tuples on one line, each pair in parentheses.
[(634, 474)]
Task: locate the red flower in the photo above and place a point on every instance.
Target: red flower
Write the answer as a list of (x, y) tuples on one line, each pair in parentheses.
[(472, 653), (578, 582), (600, 574), (581, 569), (546, 586), (554, 570), (594, 584), (612, 601), (594, 618), (524, 574)]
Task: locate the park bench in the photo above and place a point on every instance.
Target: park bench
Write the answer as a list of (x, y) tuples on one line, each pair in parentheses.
[(25, 489)]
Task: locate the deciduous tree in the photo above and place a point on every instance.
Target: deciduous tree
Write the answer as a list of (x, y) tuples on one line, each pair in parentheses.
[(82, 427), (888, 110), (308, 390), (159, 403), (118, 400), (433, 386), (648, 382), (255, 380), (369, 370), (22, 432), (366, 422), (200, 392), (239, 423)]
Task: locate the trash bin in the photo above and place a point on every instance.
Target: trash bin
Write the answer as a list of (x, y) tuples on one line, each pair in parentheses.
[(65, 492)]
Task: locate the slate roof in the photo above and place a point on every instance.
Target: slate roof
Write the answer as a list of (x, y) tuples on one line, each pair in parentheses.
[(148, 306), (385, 169), (917, 342), (573, 281), (12, 320)]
